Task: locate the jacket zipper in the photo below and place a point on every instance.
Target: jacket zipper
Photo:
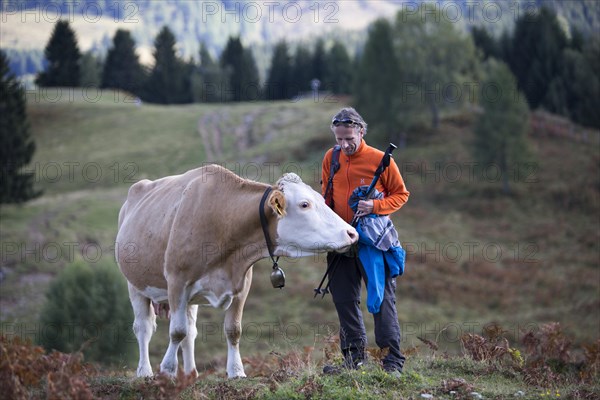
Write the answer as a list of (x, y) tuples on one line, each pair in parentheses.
[(348, 187)]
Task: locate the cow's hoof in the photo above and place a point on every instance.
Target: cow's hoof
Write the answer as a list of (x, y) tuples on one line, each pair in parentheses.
[(192, 374), (169, 369), (145, 372), (236, 375)]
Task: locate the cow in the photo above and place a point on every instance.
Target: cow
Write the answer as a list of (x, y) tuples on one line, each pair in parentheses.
[(191, 238)]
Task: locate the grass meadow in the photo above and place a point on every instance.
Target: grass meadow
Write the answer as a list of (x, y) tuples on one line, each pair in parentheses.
[(476, 258)]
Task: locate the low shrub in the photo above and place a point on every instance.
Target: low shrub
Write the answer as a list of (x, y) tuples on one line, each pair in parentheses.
[(88, 309)]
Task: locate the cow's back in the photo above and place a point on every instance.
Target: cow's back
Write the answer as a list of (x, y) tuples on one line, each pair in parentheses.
[(145, 221), (147, 218)]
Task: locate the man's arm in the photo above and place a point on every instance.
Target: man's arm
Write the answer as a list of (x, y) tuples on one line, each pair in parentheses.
[(396, 194)]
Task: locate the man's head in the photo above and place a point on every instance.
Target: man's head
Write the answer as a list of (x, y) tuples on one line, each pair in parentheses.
[(348, 127)]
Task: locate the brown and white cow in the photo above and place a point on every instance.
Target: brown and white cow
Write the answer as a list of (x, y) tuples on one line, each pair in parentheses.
[(194, 237)]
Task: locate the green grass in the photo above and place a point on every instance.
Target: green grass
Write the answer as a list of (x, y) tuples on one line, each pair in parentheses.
[(547, 230), (443, 378), (297, 375)]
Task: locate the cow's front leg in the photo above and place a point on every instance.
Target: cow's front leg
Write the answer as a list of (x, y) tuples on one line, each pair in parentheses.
[(187, 345), (178, 328), (233, 330)]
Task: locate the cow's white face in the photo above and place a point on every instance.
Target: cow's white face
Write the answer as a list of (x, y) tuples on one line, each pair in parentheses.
[(306, 225)]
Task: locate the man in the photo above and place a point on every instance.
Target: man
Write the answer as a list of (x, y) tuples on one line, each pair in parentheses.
[(357, 164)]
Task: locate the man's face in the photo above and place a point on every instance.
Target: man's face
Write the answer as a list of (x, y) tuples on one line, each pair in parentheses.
[(348, 137)]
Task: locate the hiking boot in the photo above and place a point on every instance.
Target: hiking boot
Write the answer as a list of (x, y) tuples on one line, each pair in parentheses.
[(336, 369), (332, 369), (393, 370), (352, 360), (394, 373)]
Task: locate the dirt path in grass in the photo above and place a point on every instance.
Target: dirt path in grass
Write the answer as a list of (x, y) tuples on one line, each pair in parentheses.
[(214, 126)]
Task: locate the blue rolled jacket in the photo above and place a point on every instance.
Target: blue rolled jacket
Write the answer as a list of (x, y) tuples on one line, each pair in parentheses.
[(378, 246)]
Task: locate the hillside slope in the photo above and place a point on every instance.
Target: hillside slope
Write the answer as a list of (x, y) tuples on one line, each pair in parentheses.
[(475, 256)]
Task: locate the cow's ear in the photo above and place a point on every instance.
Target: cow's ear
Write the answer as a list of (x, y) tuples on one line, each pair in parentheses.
[(277, 202)]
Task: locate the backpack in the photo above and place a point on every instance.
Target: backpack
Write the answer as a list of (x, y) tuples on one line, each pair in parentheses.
[(335, 166)]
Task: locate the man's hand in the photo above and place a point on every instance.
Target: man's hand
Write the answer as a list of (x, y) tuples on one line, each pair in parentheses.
[(365, 207)]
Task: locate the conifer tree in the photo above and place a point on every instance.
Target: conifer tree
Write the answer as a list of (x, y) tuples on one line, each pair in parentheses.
[(122, 69), (250, 78), (500, 132), (206, 60), (91, 70), (485, 42), (167, 81), (505, 48), (209, 83), (17, 146), (231, 62), (278, 82), (238, 63), (319, 63), (301, 69), (537, 45), (376, 83), (575, 91), (339, 70), (590, 83), (63, 57)]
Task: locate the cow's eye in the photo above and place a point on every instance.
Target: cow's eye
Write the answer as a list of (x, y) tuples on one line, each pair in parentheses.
[(305, 204)]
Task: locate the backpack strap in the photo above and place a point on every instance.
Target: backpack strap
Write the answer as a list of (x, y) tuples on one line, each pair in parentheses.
[(335, 166)]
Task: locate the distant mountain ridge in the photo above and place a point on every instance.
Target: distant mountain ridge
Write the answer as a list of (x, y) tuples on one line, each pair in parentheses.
[(26, 25)]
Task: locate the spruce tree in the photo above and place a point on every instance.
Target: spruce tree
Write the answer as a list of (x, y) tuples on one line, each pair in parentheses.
[(505, 45), (232, 62), (500, 132), (339, 70), (278, 81), (166, 83), (589, 82), (319, 63), (209, 83), (122, 69), (63, 57), (577, 39), (376, 83), (485, 42), (301, 70), (250, 79), (206, 60), (238, 63), (91, 70), (537, 45), (17, 146), (575, 91)]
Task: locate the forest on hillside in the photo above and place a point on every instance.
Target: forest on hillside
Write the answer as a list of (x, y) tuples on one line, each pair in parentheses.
[(213, 21), (555, 68)]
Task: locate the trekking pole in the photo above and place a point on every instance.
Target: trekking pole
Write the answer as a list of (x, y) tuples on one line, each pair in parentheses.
[(385, 162), (330, 269)]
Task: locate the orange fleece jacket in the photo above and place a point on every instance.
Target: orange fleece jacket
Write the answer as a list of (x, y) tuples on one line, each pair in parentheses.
[(358, 170)]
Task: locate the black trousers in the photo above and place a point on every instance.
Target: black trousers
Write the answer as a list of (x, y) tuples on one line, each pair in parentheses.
[(345, 286)]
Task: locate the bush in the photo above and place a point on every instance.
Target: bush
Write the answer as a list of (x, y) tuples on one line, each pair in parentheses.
[(88, 310)]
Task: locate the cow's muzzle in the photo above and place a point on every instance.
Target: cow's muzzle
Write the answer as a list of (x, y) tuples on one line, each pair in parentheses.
[(352, 236)]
